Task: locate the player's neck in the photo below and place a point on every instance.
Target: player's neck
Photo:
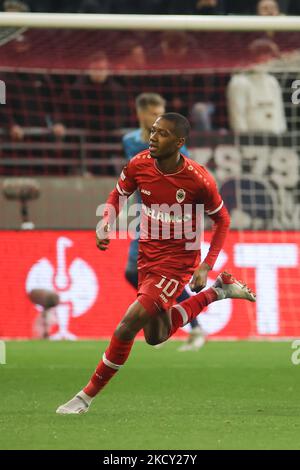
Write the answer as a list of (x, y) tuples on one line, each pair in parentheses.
[(171, 164)]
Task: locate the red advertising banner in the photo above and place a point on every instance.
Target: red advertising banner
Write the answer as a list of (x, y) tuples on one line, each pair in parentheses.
[(94, 294)]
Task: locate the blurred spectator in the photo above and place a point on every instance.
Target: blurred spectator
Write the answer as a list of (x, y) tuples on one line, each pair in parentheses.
[(254, 97), (178, 47), (96, 100), (133, 55), (20, 6), (268, 8), (20, 45), (263, 50), (37, 109)]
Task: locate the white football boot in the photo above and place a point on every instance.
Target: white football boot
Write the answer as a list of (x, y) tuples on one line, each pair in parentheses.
[(77, 405), (227, 287)]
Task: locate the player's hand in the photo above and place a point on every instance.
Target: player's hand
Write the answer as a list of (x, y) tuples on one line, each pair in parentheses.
[(199, 279), (102, 243)]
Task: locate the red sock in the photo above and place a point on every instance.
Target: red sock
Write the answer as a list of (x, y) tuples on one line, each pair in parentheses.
[(186, 311), (113, 358)]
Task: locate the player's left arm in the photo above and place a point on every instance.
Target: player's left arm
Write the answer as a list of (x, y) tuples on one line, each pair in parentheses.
[(216, 210), (125, 186)]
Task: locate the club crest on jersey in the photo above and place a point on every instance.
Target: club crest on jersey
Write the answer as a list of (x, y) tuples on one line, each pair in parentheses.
[(180, 195)]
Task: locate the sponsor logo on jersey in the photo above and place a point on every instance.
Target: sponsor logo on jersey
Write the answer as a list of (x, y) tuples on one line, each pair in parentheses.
[(166, 217), (180, 195), (144, 191)]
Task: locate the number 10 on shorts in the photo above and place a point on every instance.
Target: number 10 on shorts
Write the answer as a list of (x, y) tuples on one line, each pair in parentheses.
[(168, 286)]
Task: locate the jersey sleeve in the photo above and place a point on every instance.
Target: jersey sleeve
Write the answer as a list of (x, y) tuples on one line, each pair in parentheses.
[(210, 196), (127, 184)]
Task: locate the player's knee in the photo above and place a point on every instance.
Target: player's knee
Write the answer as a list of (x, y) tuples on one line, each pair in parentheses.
[(124, 332), (153, 341)]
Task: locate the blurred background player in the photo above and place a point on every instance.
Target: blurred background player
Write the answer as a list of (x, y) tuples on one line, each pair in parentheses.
[(148, 107)]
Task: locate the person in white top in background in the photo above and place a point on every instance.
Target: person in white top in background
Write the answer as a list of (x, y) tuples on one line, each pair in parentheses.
[(255, 101)]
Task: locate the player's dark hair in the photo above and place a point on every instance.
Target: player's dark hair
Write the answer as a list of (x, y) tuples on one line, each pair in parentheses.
[(149, 99), (181, 124)]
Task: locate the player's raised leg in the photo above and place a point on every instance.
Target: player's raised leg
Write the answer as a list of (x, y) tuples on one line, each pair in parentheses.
[(114, 357), (225, 286)]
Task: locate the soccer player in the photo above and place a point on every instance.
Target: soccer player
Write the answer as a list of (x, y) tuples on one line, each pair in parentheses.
[(163, 176), (148, 107)]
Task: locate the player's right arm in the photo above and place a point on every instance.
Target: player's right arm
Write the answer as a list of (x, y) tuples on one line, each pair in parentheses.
[(125, 186), (215, 209)]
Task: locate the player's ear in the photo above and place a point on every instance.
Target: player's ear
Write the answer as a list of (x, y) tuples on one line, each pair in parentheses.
[(180, 142)]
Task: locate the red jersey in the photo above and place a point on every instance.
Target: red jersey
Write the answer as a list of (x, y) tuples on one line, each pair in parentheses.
[(161, 247)]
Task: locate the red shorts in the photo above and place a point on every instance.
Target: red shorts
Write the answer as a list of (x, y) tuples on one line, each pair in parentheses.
[(158, 292)]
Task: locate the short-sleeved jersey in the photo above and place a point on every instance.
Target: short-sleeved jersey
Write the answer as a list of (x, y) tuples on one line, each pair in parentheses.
[(169, 210)]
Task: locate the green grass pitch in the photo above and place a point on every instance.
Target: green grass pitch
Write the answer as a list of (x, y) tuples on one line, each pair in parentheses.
[(229, 395)]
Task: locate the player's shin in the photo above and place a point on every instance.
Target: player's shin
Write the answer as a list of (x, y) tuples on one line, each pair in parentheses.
[(183, 313), (114, 357)]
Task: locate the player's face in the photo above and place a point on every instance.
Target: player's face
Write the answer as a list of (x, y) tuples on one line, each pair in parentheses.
[(149, 115), (163, 141)]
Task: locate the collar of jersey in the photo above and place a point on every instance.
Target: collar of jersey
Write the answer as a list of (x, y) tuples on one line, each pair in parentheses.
[(171, 174)]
